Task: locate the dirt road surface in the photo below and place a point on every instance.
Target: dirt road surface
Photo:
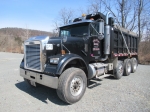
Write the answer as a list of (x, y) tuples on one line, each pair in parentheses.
[(129, 94)]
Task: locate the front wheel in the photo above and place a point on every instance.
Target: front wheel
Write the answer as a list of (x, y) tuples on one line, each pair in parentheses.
[(72, 85)]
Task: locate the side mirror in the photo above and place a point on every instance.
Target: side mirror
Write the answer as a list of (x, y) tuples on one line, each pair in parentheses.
[(101, 30), (98, 29)]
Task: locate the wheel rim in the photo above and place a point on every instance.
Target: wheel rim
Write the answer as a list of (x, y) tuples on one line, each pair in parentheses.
[(120, 69), (129, 67), (76, 86)]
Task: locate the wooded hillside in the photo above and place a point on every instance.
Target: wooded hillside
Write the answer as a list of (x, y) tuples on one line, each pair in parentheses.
[(11, 39)]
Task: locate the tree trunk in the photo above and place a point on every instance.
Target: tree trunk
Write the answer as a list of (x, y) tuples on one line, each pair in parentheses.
[(139, 18), (122, 13)]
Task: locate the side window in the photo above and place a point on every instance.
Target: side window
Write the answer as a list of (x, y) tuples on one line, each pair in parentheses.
[(65, 33)]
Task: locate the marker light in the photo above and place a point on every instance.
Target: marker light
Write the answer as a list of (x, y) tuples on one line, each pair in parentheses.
[(63, 52), (83, 15)]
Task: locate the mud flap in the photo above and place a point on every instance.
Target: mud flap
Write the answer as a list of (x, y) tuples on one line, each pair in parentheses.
[(32, 83)]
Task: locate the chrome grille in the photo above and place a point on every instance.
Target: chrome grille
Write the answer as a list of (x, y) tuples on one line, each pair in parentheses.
[(32, 53)]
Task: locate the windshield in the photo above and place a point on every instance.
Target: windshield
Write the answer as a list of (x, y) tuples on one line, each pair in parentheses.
[(78, 30)]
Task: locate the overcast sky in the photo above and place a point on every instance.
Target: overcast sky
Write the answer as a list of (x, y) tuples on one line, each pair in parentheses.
[(35, 14)]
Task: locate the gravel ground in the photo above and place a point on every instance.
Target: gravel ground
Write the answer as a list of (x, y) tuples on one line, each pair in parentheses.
[(129, 94)]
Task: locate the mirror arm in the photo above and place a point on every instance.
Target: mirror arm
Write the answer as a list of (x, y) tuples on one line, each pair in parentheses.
[(96, 31), (94, 28)]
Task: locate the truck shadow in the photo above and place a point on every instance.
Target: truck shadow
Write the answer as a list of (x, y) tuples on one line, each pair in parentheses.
[(110, 77), (41, 93), (46, 94), (94, 83)]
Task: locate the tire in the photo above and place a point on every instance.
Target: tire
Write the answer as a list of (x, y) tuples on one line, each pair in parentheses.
[(72, 85), (127, 67), (118, 71), (133, 65)]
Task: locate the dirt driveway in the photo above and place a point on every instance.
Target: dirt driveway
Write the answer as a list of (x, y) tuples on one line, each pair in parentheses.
[(129, 94)]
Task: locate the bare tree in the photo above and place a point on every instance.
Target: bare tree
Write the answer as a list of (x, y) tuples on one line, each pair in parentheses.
[(127, 14), (140, 9), (87, 10), (121, 11), (55, 31), (95, 5), (27, 32), (66, 15)]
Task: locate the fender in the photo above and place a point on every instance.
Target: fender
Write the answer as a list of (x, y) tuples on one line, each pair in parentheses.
[(66, 59)]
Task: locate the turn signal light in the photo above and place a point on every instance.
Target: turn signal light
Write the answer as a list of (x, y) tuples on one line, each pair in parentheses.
[(63, 52), (83, 15), (91, 19)]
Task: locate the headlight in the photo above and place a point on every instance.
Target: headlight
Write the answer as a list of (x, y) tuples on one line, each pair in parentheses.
[(54, 60), (49, 46)]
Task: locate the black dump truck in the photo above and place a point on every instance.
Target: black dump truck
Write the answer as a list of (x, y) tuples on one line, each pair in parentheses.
[(87, 48)]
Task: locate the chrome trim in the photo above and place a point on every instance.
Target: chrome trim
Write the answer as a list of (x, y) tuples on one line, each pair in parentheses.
[(25, 55), (42, 40), (76, 86), (43, 79)]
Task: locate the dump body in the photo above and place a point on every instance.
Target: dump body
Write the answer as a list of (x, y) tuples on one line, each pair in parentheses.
[(118, 45)]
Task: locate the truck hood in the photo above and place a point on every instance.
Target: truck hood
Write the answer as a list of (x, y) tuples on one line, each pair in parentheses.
[(54, 40), (71, 44)]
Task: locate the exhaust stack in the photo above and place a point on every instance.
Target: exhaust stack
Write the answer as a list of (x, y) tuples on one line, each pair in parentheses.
[(106, 39)]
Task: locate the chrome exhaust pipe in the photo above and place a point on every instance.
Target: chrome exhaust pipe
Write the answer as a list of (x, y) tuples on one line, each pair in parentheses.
[(107, 15), (106, 39)]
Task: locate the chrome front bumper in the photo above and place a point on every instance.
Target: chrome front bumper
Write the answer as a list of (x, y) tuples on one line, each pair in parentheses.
[(43, 79)]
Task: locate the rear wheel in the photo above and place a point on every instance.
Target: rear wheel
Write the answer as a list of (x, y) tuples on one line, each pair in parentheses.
[(133, 65), (118, 71), (72, 85), (127, 67)]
